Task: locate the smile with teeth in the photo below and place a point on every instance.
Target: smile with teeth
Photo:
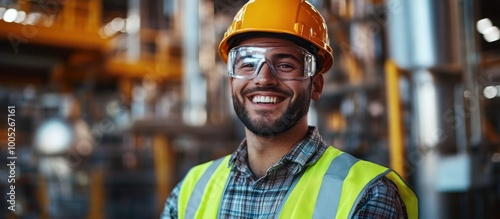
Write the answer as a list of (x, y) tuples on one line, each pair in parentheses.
[(264, 99)]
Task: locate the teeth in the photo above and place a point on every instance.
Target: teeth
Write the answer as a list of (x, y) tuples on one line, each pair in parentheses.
[(264, 99)]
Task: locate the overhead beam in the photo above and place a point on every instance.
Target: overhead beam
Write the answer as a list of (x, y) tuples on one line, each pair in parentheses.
[(18, 34)]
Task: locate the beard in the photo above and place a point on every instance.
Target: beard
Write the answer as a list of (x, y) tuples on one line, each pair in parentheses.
[(263, 125)]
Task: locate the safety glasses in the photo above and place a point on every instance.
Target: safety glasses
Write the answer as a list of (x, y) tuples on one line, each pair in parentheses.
[(284, 62)]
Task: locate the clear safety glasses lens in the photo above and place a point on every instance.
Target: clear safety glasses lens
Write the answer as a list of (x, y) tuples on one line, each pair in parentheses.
[(284, 62)]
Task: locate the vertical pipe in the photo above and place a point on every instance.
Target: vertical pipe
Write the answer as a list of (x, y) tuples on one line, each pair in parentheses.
[(471, 93), (194, 85), (97, 195), (423, 34), (43, 197), (425, 135), (133, 30)]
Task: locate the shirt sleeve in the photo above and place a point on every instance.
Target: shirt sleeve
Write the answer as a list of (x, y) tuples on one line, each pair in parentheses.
[(381, 200), (170, 210)]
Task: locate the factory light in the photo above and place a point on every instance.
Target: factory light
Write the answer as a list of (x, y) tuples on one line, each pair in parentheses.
[(32, 18), (483, 24), (491, 92), (53, 136), (21, 15), (2, 11), (10, 15), (108, 30), (490, 33), (133, 24), (117, 24)]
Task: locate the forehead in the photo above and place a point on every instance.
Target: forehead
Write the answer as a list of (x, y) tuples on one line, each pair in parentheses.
[(266, 41)]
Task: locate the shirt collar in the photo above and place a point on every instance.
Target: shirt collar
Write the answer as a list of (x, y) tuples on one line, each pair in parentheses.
[(303, 154)]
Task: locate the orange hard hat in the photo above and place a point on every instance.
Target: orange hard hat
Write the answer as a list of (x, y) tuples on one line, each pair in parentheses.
[(297, 18)]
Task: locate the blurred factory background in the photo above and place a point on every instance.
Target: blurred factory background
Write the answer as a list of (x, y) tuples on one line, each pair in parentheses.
[(115, 100)]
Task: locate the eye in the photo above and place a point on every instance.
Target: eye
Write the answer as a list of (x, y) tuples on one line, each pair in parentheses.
[(248, 62), (247, 65), (285, 67), (288, 64)]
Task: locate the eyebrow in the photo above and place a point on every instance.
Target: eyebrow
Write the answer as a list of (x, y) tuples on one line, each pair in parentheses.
[(245, 57), (285, 55)]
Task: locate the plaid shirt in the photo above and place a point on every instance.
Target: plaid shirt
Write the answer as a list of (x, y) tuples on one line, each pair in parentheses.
[(247, 196)]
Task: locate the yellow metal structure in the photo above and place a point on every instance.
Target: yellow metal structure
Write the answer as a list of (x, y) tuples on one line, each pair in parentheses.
[(396, 131), (164, 160), (74, 28), (73, 25)]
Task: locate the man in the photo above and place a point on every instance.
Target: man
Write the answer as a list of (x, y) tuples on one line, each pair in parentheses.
[(276, 52)]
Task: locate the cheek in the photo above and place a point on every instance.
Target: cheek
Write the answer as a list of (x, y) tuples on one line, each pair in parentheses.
[(236, 88), (233, 85), (303, 91)]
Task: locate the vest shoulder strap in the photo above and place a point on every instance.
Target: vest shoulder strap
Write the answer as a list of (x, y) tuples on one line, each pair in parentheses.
[(407, 194), (321, 192), (210, 176)]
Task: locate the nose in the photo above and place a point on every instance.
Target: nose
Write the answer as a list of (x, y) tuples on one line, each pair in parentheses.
[(265, 76)]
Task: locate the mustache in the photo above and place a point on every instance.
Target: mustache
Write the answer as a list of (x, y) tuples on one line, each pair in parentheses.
[(267, 89)]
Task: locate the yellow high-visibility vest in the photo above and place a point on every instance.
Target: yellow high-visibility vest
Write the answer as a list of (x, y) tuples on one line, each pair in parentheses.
[(331, 188)]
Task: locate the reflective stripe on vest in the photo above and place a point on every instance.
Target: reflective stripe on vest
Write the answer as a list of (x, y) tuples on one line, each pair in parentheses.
[(202, 189), (319, 193)]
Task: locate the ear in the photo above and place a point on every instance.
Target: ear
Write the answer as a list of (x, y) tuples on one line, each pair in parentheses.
[(317, 86), (231, 83)]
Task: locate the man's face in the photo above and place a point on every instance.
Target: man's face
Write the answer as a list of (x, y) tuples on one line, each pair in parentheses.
[(266, 105)]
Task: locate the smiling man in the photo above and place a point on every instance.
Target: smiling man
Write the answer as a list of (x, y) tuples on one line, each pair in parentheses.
[(276, 53)]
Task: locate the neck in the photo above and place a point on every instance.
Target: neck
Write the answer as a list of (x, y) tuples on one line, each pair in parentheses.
[(264, 152)]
